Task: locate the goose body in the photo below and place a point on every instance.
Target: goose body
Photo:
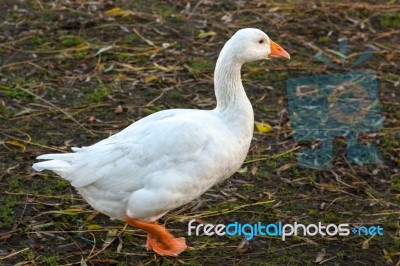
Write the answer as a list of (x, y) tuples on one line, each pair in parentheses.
[(155, 165), (171, 157)]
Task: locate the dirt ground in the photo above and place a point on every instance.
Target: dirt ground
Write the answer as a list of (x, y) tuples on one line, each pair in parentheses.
[(73, 72)]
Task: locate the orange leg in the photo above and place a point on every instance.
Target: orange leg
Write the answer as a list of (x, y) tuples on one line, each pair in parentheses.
[(158, 238)]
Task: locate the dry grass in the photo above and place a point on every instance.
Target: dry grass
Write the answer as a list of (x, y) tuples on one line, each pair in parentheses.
[(74, 72)]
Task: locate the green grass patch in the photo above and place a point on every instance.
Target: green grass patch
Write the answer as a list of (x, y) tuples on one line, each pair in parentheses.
[(396, 186), (18, 94), (7, 211), (199, 66), (390, 20), (51, 260), (70, 42), (37, 40), (98, 94)]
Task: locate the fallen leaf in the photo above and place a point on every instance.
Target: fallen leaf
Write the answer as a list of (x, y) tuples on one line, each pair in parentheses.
[(111, 236), (227, 18), (118, 109), (118, 12), (263, 127), (122, 76), (91, 119), (243, 246), (320, 256), (23, 112), (83, 262), (254, 170), (104, 49), (365, 244), (274, 9), (204, 34), (16, 144), (109, 68), (387, 257), (285, 167), (72, 211), (242, 170), (94, 227), (113, 12), (149, 78), (375, 172), (165, 45), (120, 243)]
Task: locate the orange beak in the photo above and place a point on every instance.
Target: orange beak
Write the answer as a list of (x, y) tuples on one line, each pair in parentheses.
[(277, 51)]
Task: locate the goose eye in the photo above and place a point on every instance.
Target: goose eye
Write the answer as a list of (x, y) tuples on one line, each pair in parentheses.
[(261, 41)]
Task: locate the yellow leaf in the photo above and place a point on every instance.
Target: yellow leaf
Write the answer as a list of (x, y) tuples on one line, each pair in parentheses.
[(114, 11), (126, 13), (99, 68), (122, 76), (94, 227), (204, 34), (263, 127), (149, 78), (16, 144), (118, 12), (255, 70)]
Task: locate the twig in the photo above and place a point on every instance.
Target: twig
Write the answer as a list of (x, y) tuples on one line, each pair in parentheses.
[(194, 9), (15, 253), (273, 156), (32, 143), (59, 109), (144, 39), (105, 247), (224, 211)]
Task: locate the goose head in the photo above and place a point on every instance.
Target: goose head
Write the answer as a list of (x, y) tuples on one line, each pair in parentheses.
[(248, 45)]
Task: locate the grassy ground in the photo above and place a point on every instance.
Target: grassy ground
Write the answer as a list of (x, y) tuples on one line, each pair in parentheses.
[(74, 72)]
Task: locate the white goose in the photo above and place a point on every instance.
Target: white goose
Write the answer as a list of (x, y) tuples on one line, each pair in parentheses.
[(171, 157)]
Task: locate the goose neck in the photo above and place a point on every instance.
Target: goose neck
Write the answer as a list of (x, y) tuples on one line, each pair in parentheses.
[(227, 81)]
